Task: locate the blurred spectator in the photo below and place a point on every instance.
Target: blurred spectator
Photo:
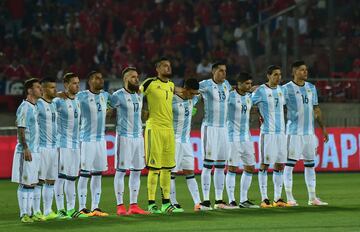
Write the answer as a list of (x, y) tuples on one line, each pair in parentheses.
[(240, 40), (15, 71), (55, 37), (203, 69)]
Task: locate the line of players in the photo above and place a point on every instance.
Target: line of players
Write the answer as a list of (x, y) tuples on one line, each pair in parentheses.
[(72, 141), (225, 128)]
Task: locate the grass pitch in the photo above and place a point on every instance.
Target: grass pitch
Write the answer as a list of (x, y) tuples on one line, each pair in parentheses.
[(341, 190)]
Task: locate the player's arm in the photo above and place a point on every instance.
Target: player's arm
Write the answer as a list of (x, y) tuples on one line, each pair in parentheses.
[(110, 105), (21, 127), (22, 141), (319, 120), (145, 111), (255, 113)]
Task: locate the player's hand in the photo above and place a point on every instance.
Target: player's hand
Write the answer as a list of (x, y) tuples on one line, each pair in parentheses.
[(254, 88), (261, 120), (326, 136), (27, 155), (61, 95)]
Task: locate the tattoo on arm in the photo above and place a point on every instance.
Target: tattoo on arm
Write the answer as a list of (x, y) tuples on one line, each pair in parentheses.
[(21, 135)]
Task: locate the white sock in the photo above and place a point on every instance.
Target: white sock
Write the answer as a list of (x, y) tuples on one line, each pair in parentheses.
[(37, 199), (30, 201), (206, 183), (245, 183), (278, 183), (48, 195), (119, 187), (263, 179), (22, 195), (310, 180), (173, 190), (82, 191), (70, 194), (95, 186), (230, 185), (288, 182), (59, 193), (219, 179), (134, 186), (193, 188)]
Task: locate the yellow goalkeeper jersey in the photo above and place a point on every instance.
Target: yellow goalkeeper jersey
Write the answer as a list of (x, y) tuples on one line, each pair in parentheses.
[(159, 95)]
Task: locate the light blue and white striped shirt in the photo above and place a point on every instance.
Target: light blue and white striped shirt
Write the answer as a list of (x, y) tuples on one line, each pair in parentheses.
[(215, 102), (239, 117), (93, 115), (128, 113), (270, 102), (300, 102), (47, 123), (68, 122), (27, 117), (182, 112)]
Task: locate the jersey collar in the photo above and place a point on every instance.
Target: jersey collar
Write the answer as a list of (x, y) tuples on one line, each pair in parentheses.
[(237, 91), (270, 87), (162, 80), (45, 100), (297, 84)]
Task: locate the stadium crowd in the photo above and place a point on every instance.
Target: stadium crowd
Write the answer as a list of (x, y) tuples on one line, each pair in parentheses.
[(113, 34)]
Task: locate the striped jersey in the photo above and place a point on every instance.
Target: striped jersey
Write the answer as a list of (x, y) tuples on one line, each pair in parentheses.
[(93, 115), (128, 113), (47, 123), (270, 102), (27, 117), (182, 111), (215, 102), (300, 102), (68, 122), (238, 120)]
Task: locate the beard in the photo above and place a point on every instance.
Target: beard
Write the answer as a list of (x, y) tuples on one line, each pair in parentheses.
[(167, 75), (133, 88)]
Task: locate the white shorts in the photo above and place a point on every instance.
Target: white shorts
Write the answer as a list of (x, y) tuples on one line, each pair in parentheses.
[(49, 163), (184, 157), (69, 162), (301, 147), (25, 172), (214, 140), (241, 151), (93, 156), (272, 148), (129, 153)]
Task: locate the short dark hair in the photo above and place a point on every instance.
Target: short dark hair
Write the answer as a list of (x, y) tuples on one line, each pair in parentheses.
[(297, 64), (127, 69), (90, 74), (161, 59), (243, 76), (47, 80), (217, 64), (192, 83), (271, 68), (68, 76), (29, 84)]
